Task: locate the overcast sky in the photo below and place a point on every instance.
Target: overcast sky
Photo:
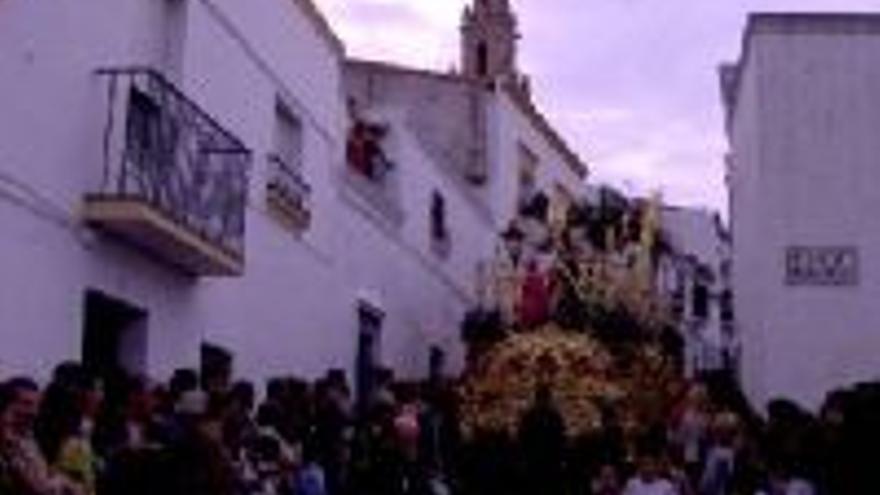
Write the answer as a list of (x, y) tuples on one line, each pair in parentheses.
[(631, 84)]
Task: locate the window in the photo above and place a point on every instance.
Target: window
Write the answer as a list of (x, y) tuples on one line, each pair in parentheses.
[(528, 165), (370, 321), (678, 303), (701, 301), (440, 239), (288, 192), (482, 59), (727, 314), (288, 137)]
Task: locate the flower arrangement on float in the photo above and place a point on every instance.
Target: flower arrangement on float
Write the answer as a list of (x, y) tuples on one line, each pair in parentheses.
[(597, 344)]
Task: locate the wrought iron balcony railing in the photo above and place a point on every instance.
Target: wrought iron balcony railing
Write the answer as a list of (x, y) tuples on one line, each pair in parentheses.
[(163, 151)]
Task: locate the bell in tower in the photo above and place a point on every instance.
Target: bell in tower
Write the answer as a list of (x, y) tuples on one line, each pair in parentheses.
[(488, 38)]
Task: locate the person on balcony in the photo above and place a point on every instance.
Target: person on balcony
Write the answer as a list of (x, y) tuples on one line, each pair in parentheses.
[(364, 150)]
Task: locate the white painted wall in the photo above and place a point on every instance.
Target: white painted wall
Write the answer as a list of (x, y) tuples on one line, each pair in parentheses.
[(750, 280), (280, 316), (295, 308), (234, 62), (805, 149), (53, 113), (509, 127), (426, 294)]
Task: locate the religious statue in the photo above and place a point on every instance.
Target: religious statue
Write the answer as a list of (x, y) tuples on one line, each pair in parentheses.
[(534, 302), (508, 273)]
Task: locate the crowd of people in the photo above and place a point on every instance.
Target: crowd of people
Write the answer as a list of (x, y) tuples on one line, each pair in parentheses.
[(194, 435), (201, 435), (711, 443)]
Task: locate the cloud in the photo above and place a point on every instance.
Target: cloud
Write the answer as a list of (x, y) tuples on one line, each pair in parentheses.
[(385, 14), (404, 31)]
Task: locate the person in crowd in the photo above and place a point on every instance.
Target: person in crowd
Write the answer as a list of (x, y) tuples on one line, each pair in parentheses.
[(440, 437), (491, 465), (382, 393), (407, 433), (310, 479), (406, 422), (216, 370), (123, 435), (650, 478), (718, 473), (65, 426), (606, 481), (199, 462), (266, 472), (300, 410), (134, 438), (270, 419), (332, 430), (182, 380), (376, 461), (25, 469), (781, 482), (835, 474), (130, 418), (690, 430), (240, 428), (542, 440), (7, 483), (676, 472)]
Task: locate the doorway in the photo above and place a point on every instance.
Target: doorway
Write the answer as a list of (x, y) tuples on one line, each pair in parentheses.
[(370, 321), (114, 335)]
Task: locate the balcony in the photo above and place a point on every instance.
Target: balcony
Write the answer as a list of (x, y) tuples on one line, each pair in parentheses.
[(174, 182), (369, 172), (288, 194)]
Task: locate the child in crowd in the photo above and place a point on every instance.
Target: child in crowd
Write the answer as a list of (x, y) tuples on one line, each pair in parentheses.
[(650, 479)]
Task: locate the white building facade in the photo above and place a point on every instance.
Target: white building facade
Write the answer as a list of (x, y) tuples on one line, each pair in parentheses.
[(172, 106), (695, 276), (181, 172), (803, 106)]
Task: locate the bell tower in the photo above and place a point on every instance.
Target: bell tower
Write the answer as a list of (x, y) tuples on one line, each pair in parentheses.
[(488, 40)]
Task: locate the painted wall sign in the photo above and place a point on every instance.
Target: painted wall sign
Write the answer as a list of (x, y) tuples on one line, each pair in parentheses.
[(822, 266)]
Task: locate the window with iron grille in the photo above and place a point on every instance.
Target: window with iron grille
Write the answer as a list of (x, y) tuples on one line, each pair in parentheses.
[(288, 191), (288, 137)]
